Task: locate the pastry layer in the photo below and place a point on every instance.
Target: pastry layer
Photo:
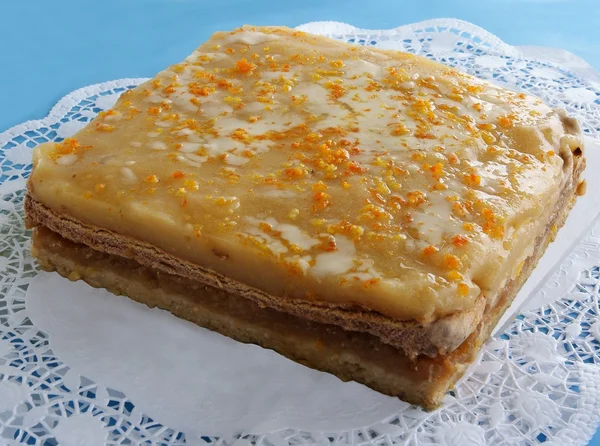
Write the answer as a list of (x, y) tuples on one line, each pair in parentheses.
[(350, 356), (373, 182), (413, 338)]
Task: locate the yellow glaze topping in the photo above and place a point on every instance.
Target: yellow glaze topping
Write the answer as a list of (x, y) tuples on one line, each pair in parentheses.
[(318, 170)]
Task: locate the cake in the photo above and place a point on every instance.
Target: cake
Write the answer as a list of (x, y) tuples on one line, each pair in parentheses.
[(365, 212)]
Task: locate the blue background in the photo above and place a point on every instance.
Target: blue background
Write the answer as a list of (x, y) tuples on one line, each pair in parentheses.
[(50, 48)]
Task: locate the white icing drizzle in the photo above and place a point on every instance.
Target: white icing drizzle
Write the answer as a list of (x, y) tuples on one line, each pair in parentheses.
[(290, 233), (128, 175), (67, 160), (158, 145), (156, 99), (190, 147), (336, 262), (278, 193), (250, 38), (296, 236), (235, 160), (196, 158), (185, 132), (114, 116)]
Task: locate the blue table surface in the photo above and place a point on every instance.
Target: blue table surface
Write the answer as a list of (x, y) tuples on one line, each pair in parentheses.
[(50, 48)]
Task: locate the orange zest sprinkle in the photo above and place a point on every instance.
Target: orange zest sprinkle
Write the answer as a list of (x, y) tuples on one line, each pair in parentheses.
[(191, 184), (295, 172), (460, 240), (454, 276), (243, 66), (437, 170), (506, 121), (416, 198), (400, 130), (469, 227), (429, 250), (240, 135), (265, 227), (321, 201), (66, 146), (200, 90), (452, 262), (319, 186), (337, 90), (356, 168), (472, 179)]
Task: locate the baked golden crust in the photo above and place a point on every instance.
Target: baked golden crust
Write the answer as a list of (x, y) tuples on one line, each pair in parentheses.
[(343, 176), (364, 358)]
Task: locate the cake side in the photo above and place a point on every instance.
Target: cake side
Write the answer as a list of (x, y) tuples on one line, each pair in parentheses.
[(412, 336), (349, 355), (373, 182), (432, 339)]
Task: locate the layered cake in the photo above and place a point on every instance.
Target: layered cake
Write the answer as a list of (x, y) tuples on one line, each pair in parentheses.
[(364, 212)]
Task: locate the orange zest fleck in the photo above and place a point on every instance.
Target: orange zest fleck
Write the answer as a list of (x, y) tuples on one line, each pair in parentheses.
[(472, 179), (429, 250), (506, 121), (460, 240), (469, 227), (452, 262), (437, 170), (245, 67), (200, 90), (400, 130), (416, 198), (319, 186), (191, 184), (295, 172), (321, 201), (454, 276)]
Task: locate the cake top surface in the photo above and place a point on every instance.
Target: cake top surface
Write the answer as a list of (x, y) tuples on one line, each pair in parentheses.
[(319, 170)]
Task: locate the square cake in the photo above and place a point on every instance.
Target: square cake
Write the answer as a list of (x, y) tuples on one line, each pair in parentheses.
[(364, 212)]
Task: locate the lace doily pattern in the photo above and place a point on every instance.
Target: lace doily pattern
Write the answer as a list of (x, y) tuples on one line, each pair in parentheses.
[(538, 382)]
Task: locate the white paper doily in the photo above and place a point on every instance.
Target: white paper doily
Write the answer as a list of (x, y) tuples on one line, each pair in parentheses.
[(80, 366)]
